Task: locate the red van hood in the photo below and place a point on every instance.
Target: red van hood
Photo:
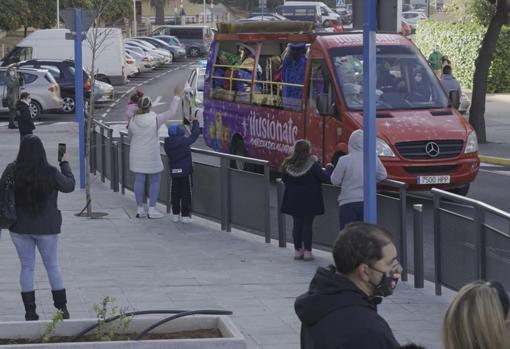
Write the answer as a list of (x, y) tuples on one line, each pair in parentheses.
[(415, 125)]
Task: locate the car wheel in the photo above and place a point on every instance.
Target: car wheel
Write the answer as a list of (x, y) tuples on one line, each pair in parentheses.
[(35, 109), (69, 104), (194, 52)]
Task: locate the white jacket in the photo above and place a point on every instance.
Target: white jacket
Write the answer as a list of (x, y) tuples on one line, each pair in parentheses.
[(144, 153)]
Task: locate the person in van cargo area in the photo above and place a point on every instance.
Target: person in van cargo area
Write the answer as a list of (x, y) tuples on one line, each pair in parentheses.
[(340, 308), (348, 174), (302, 199), (23, 117), (144, 153), (178, 151)]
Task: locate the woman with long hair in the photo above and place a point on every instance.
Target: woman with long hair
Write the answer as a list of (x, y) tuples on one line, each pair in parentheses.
[(302, 199), (477, 318), (38, 219), (145, 153)]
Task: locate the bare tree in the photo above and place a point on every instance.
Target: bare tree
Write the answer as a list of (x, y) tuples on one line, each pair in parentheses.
[(159, 6)]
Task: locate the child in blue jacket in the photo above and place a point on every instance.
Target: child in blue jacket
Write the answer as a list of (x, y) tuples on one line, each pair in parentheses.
[(178, 151)]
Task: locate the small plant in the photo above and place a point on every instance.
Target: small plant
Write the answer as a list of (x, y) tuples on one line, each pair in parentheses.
[(50, 328), (105, 310)]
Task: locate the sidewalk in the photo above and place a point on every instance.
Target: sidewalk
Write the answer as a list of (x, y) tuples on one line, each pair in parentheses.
[(157, 264)]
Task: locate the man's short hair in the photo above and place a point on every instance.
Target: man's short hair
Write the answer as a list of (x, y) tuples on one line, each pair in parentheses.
[(359, 243), (447, 69), (24, 95)]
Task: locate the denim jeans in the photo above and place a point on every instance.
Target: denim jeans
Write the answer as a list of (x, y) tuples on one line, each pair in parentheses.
[(47, 245), (351, 212), (154, 180)]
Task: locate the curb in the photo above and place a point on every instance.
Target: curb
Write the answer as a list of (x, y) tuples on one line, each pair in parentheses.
[(494, 160)]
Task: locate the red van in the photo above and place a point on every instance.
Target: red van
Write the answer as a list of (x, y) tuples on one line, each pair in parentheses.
[(268, 87)]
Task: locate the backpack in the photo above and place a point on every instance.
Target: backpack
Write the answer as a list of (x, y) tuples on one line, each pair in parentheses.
[(7, 198)]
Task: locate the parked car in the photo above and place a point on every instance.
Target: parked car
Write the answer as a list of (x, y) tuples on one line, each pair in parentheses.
[(259, 17), (345, 15), (162, 57), (177, 52), (171, 40), (193, 100), (158, 59), (197, 39), (103, 92), (43, 89), (131, 66), (316, 11), (144, 62), (412, 17), (167, 55), (63, 73)]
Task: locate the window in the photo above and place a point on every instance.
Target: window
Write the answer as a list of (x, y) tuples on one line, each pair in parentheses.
[(28, 78), (200, 82), (191, 80), (324, 11), (321, 88), (55, 71), (22, 53)]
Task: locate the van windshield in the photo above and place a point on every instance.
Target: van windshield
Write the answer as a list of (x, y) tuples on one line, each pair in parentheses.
[(404, 80)]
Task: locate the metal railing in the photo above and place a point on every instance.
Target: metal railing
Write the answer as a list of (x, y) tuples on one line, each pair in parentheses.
[(467, 246)]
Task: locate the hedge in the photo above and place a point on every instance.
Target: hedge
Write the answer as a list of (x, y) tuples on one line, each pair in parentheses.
[(461, 42)]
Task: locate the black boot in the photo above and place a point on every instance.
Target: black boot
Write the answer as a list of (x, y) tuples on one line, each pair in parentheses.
[(29, 302), (60, 301)]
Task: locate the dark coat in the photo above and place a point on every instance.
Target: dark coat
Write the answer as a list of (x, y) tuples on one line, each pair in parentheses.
[(303, 191), (178, 149), (335, 314), (49, 219), (25, 121)]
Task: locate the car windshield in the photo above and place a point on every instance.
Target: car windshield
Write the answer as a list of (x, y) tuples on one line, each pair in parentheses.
[(404, 80), (200, 82)]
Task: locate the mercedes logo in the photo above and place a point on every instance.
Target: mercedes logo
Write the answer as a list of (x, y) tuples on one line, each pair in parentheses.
[(432, 149)]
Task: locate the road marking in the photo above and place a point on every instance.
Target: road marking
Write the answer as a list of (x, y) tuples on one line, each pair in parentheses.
[(157, 101)]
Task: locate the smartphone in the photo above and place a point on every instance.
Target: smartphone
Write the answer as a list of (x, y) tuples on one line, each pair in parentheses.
[(61, 151)]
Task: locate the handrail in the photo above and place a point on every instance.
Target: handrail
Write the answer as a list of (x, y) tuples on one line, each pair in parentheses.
[(395, 184), (230, 156)]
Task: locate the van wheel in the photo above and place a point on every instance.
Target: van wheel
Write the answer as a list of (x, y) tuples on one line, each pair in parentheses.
[(35, 109), (194, 52), (103, 78), (460, 190)]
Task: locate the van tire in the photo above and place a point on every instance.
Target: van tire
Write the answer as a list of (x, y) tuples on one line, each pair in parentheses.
[(194, 52), (103, 78)]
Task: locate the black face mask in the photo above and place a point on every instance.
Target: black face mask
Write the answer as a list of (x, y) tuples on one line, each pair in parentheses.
[(388, 281)]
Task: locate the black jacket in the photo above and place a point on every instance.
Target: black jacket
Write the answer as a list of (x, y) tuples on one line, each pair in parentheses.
[(178, 149), (49, 219), (335, 314), (25, 122), (303, 190)]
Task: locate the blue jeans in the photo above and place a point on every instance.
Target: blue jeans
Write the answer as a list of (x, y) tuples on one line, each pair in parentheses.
[(47, 245), (154, 180), (351, 212)]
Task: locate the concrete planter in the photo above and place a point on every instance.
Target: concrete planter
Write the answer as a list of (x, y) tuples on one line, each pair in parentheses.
[(232, 338)]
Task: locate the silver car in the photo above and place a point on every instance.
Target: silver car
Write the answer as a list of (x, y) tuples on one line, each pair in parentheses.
[(193, 99), (144, 62), (103, 92), (43, 89)]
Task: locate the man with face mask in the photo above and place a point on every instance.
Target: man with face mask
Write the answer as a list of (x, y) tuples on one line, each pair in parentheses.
[(23, 116), (340, 308)]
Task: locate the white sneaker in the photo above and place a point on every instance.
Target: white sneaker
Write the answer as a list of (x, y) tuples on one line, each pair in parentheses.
[(154, 213), (140, 212), (175, 218), (187, 219)]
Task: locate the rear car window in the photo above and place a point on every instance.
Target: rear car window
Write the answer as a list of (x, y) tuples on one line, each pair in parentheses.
[(28, 78), (188, 33), (49, 78)]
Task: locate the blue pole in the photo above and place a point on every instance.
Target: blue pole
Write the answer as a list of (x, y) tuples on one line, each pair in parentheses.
[(369, 110), (78, 90)]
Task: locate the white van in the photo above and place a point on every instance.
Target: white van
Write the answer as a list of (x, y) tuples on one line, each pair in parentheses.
[(52, 44), (326, 14)]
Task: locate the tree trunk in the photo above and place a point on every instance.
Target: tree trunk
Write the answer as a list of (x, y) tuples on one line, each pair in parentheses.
[(25, 31), (160, 12), (483, 63)]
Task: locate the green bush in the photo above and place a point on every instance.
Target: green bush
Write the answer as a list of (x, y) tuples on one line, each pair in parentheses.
[(461, 42)]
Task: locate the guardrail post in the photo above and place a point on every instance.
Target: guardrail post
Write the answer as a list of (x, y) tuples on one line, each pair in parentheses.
[(418, 245), (479, 220), (115, 160), (403, 231), (169, 192), (112, 163), (282, 231), (267, 208), (93, 149), (103, 153), (122, 165), (224, 192), (437, 242)]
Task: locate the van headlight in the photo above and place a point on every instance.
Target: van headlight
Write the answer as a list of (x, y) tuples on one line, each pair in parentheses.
[(472, 143), (383, 149)]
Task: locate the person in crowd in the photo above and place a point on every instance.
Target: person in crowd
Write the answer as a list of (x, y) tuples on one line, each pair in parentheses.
[(144, 152), (38, 220), (478, 318), (178, 151), (435, 61), (14, 82), (340, 308), (302, 199), (445, 61), (348, 174), (450, 83), (25, 122), (132, 105)]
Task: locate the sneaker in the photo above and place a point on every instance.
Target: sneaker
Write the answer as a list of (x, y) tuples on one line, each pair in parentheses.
[(308, 256), (187, 219), (154, 213), (176, 218), (298, 254), (140, 212)]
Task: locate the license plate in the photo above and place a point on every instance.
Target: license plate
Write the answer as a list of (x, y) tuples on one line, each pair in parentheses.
[(433, 179)]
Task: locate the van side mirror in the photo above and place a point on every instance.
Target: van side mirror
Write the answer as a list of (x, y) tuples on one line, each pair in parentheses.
[(324, 106), (454, 96)]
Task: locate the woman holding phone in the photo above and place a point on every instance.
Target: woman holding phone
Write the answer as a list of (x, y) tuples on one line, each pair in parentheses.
[(38, 219)]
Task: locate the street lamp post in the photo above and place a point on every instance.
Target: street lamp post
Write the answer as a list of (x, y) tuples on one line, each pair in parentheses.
[(58, 14), (204, 12), (135, 29)]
